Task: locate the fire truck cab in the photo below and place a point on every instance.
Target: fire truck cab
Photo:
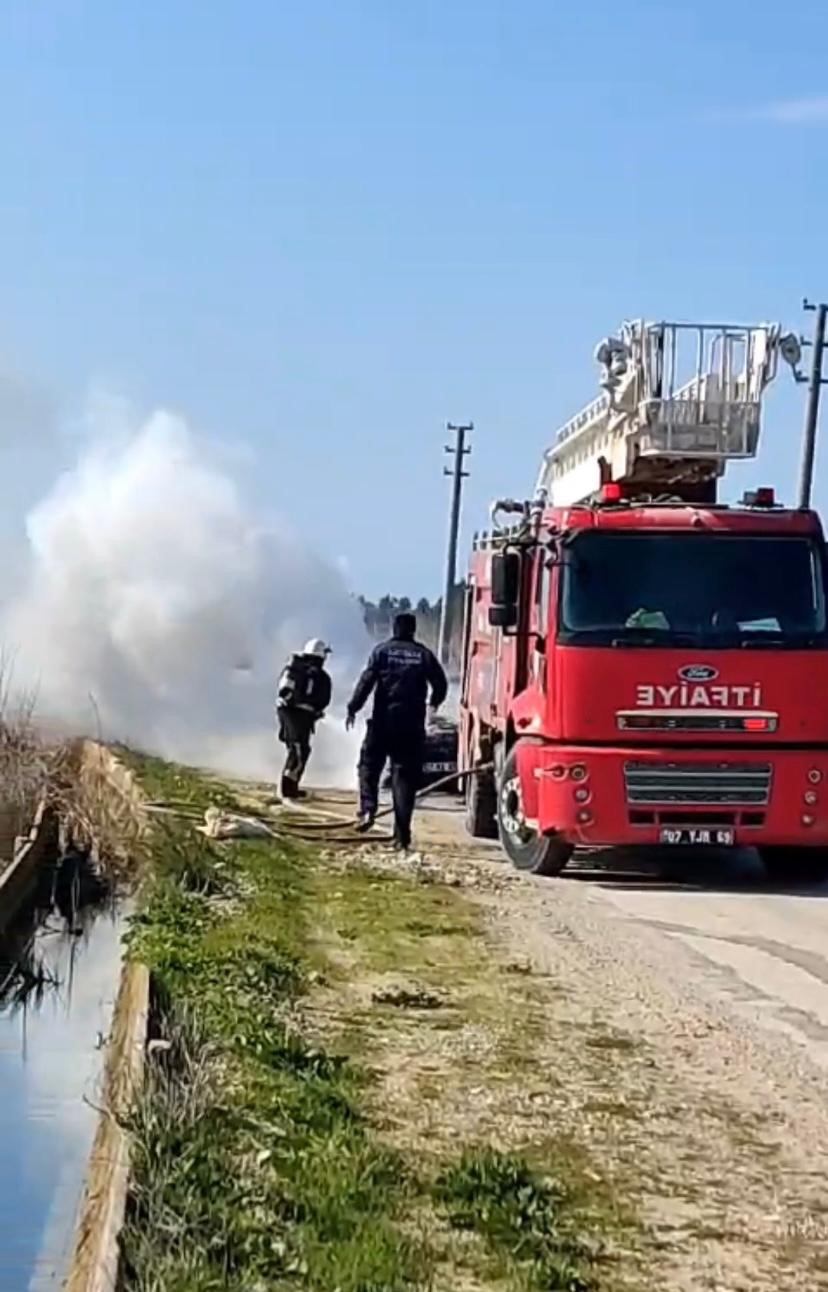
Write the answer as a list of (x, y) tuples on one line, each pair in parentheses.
[(643, 665)]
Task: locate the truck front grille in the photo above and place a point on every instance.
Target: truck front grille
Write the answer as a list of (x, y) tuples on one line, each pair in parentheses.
[(700, 783)]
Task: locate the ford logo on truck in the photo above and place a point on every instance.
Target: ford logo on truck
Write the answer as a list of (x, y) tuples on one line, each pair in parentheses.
[(698, 673)]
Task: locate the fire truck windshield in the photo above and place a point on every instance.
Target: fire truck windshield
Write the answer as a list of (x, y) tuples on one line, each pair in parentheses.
[(714, 590)]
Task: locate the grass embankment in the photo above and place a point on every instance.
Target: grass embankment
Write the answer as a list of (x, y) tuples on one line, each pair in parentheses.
[(272, 1148)]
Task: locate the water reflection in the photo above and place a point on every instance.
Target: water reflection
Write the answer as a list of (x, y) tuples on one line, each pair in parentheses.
[(68, 901), (58, 979)]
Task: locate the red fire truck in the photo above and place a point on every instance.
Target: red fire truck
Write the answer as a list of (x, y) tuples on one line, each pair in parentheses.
[(644, 665)]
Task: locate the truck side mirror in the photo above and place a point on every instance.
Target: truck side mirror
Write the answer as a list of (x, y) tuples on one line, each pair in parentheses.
[(505, 579), (503, 616)]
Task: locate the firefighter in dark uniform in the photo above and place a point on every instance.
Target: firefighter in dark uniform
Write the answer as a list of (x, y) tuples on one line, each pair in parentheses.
[(400, 673), (303, 695)]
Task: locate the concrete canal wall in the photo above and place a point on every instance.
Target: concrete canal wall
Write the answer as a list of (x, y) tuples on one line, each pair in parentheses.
[(112, 804), (100, 806), (28, 852)]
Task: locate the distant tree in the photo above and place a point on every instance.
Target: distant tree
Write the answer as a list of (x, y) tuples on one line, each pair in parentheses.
[(378, 618)]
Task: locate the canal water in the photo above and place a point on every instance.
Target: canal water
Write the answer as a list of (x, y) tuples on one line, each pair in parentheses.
[(59, 973)]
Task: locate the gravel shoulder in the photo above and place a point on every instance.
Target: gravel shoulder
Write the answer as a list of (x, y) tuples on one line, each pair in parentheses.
[(696, 1078)]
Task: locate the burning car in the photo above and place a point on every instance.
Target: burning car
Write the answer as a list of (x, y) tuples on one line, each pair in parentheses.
[(439, 755)]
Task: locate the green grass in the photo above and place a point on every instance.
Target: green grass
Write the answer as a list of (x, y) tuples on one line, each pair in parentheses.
[(264, 1173), (255, 1162), (167, 782), (396, 921), (529, 1225)]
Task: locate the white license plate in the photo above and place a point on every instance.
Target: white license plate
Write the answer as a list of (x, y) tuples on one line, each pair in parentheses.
[(698, 836), (438, 767)]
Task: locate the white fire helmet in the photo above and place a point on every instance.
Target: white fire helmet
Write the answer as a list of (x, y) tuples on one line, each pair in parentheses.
[(316, 647)]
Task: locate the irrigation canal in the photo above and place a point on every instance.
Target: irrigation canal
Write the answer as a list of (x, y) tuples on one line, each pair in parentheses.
[(59, 971)]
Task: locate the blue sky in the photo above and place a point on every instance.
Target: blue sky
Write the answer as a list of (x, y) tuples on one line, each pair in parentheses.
[(323, 228)]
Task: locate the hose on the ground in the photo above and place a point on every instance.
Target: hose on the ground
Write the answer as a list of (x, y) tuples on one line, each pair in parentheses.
[(316, 828)]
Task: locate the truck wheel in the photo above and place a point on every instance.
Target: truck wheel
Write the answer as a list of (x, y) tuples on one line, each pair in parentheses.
[(481, 822), (795, 865), (525, 848)]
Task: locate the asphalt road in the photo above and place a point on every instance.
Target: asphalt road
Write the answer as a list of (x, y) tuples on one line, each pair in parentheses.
[(763, 950)]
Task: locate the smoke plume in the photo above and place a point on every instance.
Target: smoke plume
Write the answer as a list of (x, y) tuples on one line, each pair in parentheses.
[(156, 610)]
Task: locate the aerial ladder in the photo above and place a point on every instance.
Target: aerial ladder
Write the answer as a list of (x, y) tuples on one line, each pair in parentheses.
[(680, 401)]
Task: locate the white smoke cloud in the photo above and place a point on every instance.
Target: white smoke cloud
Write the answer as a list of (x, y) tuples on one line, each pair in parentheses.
[(155, 606)]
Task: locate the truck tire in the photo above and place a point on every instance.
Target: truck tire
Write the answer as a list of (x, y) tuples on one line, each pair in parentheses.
[(526, 849), (795, 865), (481, 822)]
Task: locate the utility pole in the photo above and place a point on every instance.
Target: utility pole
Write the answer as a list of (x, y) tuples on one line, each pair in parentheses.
[(817, 381), (459, 451)]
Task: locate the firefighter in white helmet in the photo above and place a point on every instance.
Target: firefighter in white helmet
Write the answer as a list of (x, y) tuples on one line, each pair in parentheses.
[(303, 695)]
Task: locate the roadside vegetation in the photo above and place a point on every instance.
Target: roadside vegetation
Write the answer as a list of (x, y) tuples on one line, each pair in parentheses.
[(331, 1098), (29, 766)]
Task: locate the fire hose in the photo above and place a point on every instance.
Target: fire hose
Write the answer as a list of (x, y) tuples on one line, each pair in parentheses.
[(317, 831)]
